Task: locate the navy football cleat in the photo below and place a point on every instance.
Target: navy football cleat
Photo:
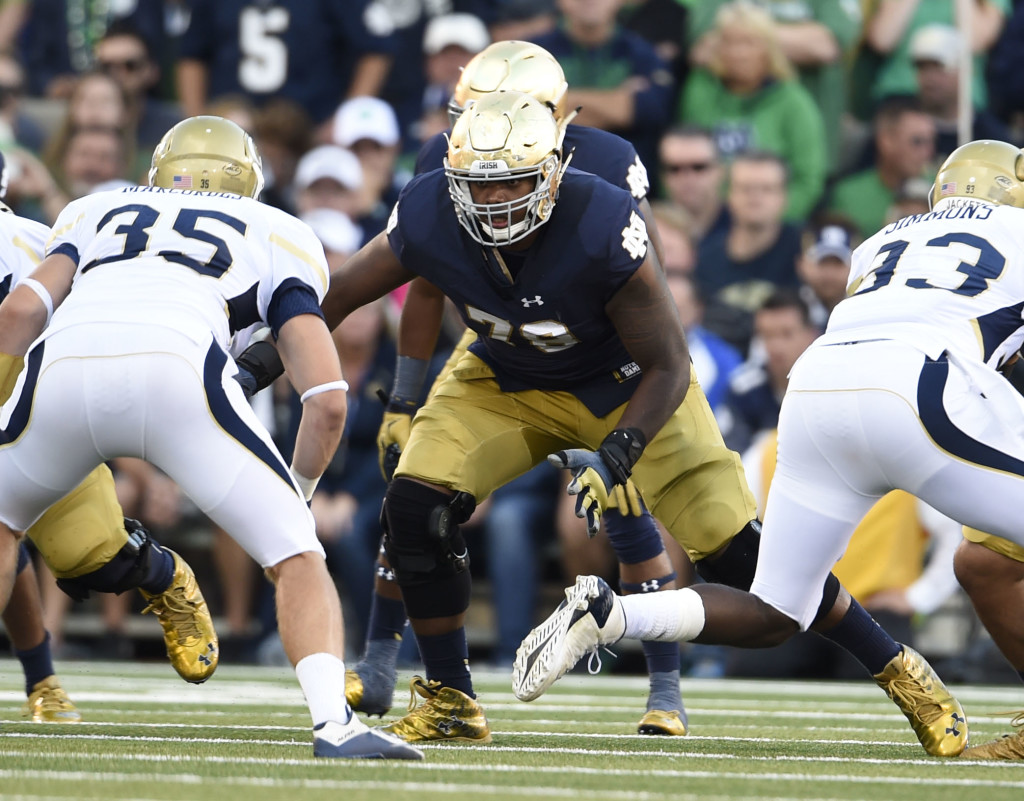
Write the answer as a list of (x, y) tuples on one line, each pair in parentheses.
[(355, 740), (589, 617)]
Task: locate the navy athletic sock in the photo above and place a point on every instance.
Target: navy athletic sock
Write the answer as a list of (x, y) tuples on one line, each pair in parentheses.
[(161, 571), (37, 663), (664, 691), (446, 657), (387, 618), (868, 642)]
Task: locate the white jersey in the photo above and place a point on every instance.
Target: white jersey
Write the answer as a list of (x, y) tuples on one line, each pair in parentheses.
[(21, 248), (951, 279), (195, 262)]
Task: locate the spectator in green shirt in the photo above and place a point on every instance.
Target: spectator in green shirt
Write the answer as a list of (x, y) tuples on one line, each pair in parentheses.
[(749, 97), (904, 144), (894, 22), (817, 36)]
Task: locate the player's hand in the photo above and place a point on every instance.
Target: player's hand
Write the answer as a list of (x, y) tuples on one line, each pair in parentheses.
[(391, 440), (591, 480), (627, 499), (10, 368)]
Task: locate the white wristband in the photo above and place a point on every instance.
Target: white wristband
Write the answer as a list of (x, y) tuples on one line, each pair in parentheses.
[(42, 292), (307, 485), (328, 387)]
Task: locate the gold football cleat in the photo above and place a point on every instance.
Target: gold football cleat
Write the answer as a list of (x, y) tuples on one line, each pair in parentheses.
[(1007, 747), (936, 716), (661, 723), (48, 703), (373, 698), (446, 714), (189, 635), (353, 689)]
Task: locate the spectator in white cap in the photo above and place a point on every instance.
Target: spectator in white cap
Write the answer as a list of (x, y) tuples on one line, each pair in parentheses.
[(824, 267), (337, 233), (935, 51), (328, 177), (369, 128), (449, 42)]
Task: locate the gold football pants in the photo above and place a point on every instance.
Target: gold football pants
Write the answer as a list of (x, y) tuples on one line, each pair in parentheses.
[(84, 530), (472, 437)]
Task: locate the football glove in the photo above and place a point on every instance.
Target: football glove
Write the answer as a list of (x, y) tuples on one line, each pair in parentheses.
[(10, 369), (391, 439), (595, 474), (627, 499), (258, 366)]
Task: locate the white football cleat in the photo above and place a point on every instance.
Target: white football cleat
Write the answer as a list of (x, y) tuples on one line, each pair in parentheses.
[(590, 616), (356, 740)]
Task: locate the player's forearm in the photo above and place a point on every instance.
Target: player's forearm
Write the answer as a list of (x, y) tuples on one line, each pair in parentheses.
[(320, 429), (23, 316), (658, 395), (420, 324)]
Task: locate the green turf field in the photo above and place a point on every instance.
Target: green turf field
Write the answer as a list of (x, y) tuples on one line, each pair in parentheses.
[(245, 735)]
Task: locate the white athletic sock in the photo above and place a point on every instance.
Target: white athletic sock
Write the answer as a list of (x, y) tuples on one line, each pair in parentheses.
[(322, 678), (667, 616)]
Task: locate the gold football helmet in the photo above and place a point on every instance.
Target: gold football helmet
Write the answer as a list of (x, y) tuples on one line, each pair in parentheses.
[(501, 137), (985, 170), (511, 66), (208, 154)]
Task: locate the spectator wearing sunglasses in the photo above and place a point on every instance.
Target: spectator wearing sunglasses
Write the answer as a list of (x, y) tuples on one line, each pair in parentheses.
[(124, 55), (904, 140), (60, 36), (692, 176)]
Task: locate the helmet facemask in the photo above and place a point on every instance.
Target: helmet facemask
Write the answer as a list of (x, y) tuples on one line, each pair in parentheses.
[(505, 136)]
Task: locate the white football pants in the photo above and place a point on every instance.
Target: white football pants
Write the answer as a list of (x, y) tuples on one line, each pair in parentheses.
[(861, 419), (94, 392)]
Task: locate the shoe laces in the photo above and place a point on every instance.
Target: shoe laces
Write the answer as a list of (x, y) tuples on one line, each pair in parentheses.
[(594, 662), (174, 608), (427, 689), (910, 694), (51, 699)]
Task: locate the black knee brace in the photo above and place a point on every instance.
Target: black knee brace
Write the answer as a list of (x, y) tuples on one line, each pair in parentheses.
[(735, 566), (125, 571), (425, 547)]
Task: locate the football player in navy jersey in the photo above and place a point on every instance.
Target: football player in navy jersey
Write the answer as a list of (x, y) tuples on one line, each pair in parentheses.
[(580, 358), (645, 566)]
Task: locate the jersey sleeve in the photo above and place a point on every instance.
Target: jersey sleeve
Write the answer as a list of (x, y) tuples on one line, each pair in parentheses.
[(616, 226), (68, 233), (299, 274)]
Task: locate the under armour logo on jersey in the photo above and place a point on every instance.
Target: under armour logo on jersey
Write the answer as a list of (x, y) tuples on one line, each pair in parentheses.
[(537, 301), (634, 237), (637, 181)]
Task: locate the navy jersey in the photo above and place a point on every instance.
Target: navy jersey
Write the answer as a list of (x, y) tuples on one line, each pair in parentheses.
[(595, 151), (546, 329), (305, 50)]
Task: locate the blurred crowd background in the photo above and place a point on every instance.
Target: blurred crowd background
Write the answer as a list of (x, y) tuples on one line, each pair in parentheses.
[(776, 135)]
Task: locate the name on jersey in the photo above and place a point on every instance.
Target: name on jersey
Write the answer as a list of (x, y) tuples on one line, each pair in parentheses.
[(956, 210), (161, 190)]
